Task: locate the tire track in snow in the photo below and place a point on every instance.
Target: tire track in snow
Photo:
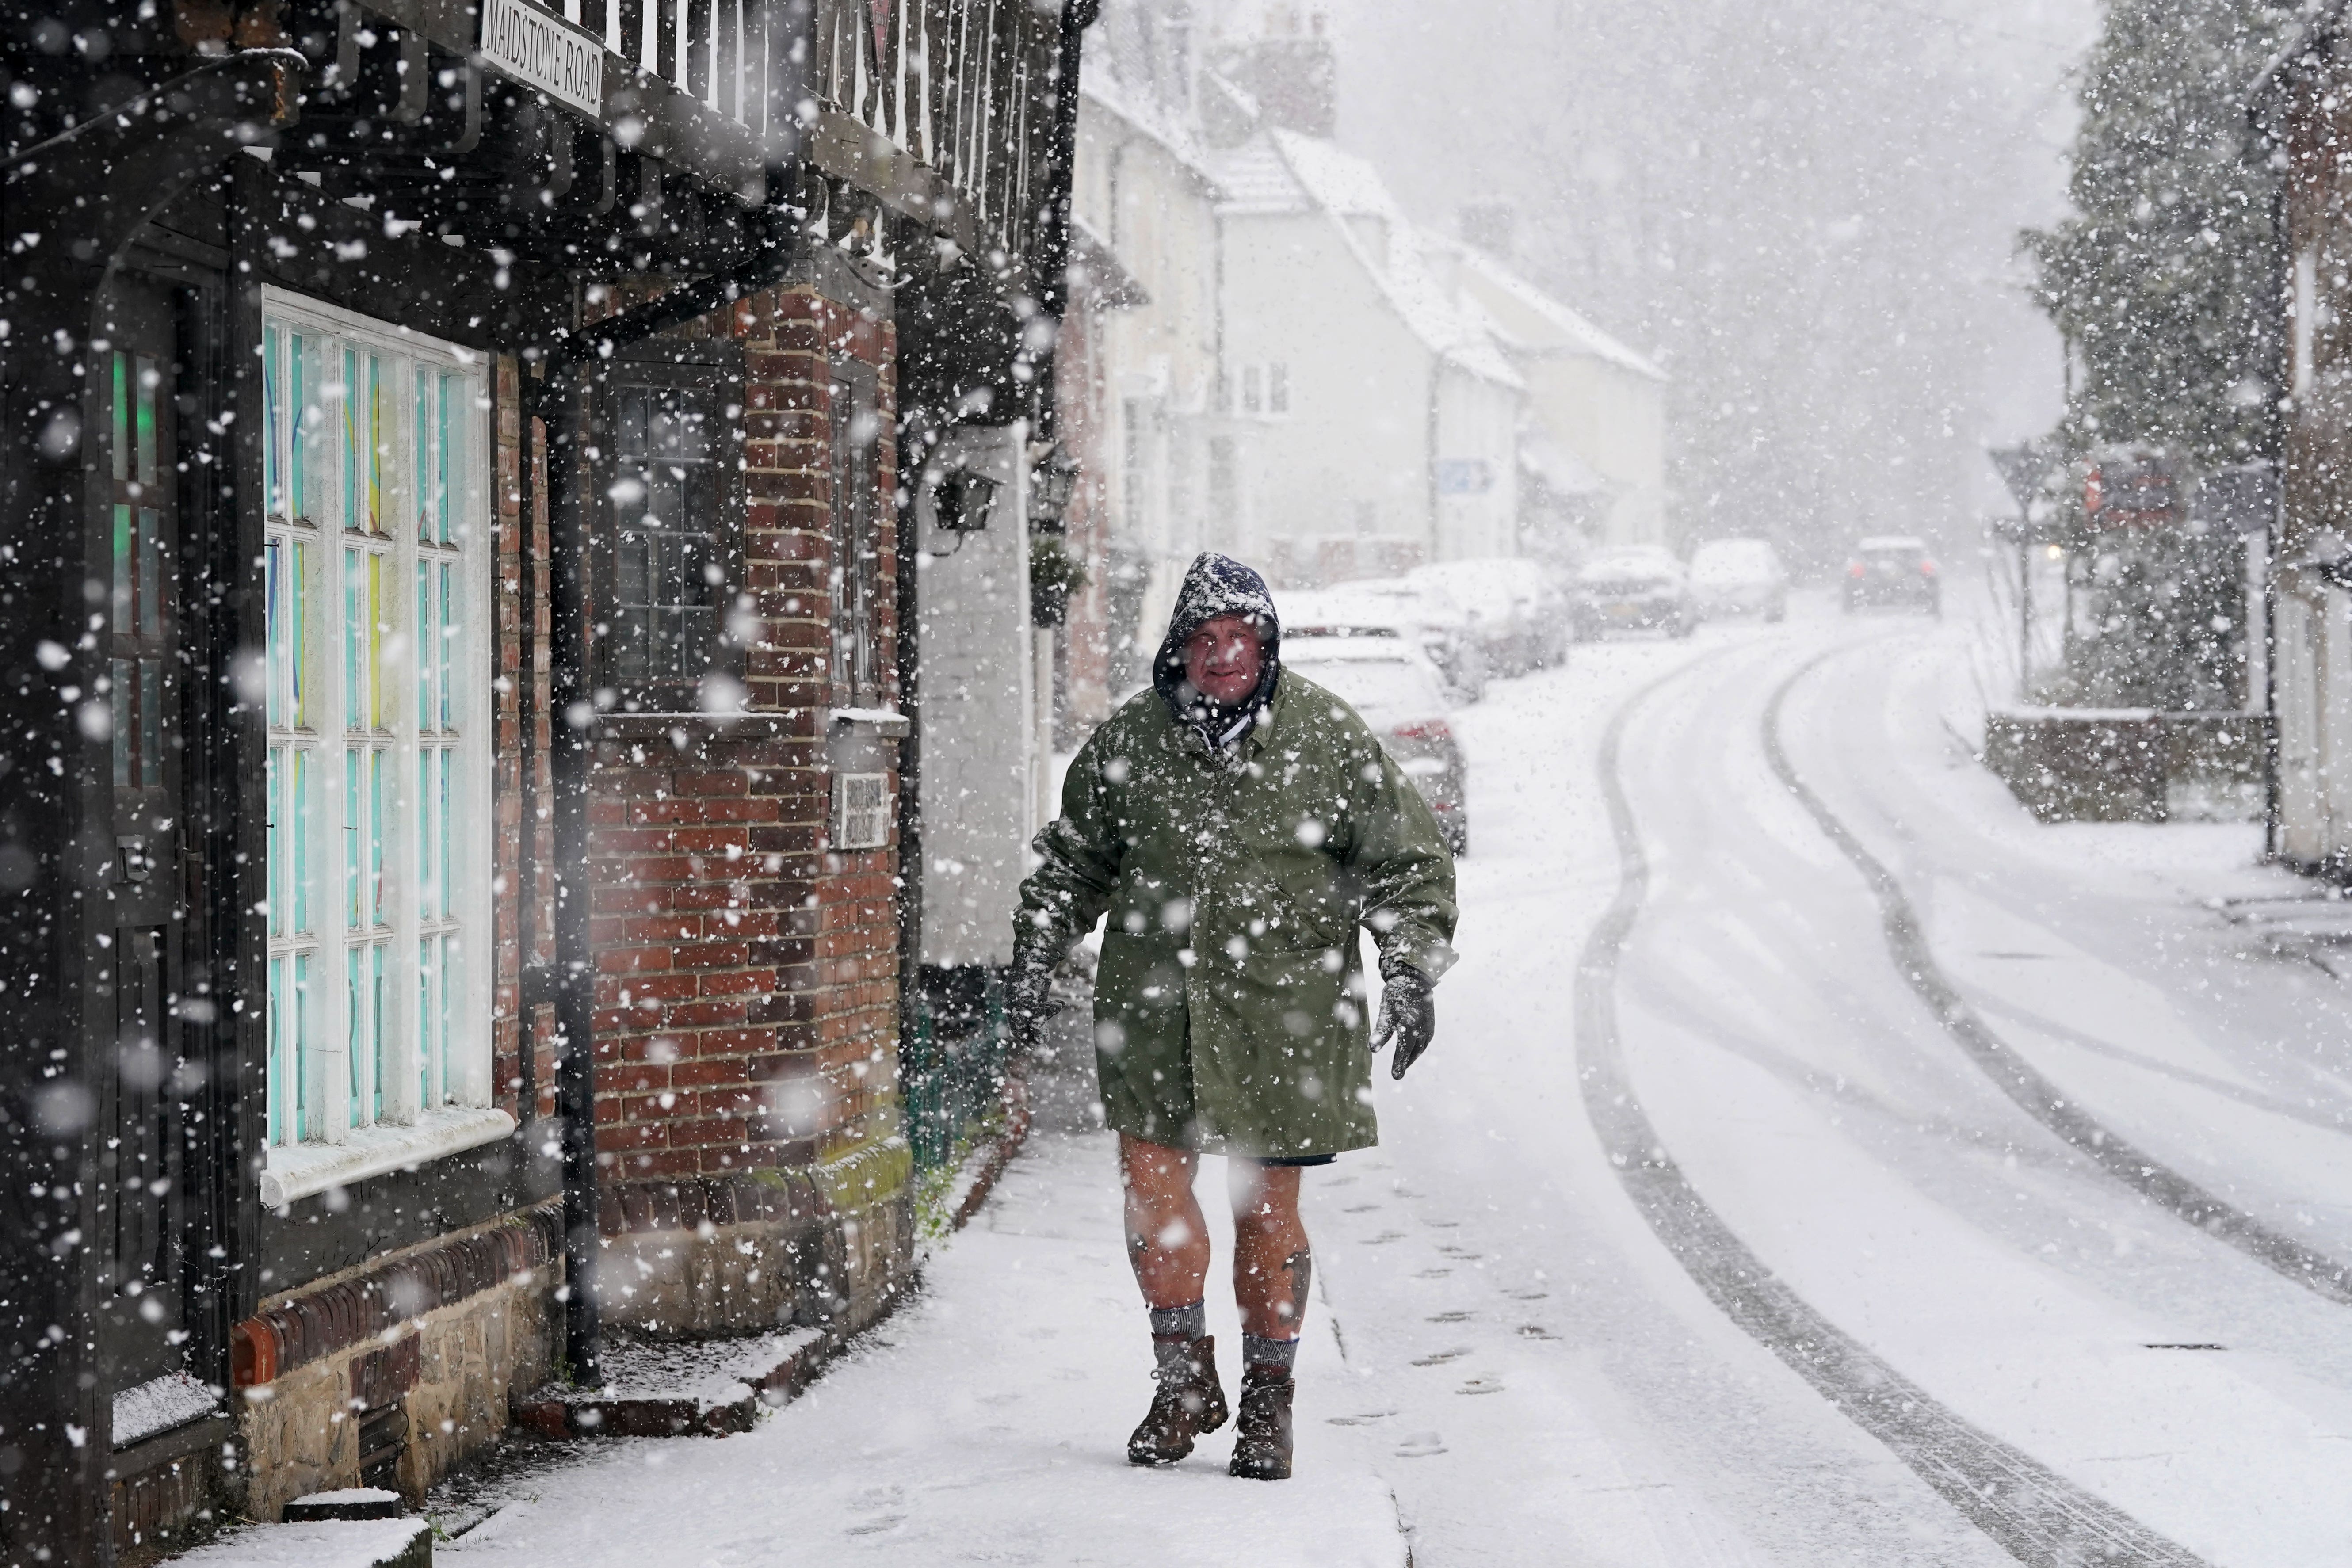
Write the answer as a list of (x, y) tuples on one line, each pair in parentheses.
[(1907, 942), (2034, 1513)]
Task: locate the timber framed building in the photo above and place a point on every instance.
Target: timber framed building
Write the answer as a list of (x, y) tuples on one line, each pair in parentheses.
[(462, 639)]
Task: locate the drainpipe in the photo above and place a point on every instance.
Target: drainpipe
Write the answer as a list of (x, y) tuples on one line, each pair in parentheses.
[(567, 370)]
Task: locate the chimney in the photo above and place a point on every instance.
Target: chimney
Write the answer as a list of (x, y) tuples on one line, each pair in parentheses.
[(1293, 75), (1487, 226)]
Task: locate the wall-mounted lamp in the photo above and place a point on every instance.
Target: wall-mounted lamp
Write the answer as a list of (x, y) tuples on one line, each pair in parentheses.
[(1052, 484), (961, 500)]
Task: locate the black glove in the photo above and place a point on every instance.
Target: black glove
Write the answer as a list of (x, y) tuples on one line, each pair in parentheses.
[(1408, 1016), (1028, 1002)]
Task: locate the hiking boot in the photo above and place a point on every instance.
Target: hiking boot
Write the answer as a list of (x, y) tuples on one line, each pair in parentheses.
[(1262, 1443), (1188, 1401)]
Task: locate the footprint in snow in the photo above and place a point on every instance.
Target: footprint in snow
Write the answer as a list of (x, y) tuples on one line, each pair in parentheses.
[(1453, 1316), (1442, 1357), (1420, 1445), (1480, 1385), (1366, 1419)]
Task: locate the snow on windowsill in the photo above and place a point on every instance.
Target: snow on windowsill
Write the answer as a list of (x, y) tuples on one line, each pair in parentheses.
[(300, 1170), (886, 722), (159, 1404)]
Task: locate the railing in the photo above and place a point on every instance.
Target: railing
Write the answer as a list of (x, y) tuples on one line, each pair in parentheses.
[(730, 55), (952, 1067), (959, 86)]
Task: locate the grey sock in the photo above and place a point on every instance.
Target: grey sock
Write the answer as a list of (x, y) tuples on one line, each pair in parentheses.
[(1274, 1355), (1180, 1322), (1174, 1331)]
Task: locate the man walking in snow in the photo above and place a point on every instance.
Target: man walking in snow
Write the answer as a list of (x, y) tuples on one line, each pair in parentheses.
[(1237, 824)]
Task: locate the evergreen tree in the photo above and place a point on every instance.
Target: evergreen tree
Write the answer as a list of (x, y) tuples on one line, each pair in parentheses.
[(2165, 282)]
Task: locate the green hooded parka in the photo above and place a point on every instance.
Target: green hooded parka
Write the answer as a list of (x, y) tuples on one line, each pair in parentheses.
[(1230, 1002)]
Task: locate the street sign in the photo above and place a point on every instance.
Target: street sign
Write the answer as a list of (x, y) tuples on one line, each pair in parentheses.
[(534, 46), (2023, 467)]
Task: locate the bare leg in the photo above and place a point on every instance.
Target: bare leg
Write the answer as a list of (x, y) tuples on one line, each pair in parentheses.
[(1272, 1266), (1167, 1239)]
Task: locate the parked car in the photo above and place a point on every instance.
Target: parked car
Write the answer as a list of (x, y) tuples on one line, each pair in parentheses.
[(1396, 689), (1500, 593), (1421, 611), (1893, 569), (1636, 588), (1738, 577)]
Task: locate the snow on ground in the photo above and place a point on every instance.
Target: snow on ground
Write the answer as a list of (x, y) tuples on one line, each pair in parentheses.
[(1503, 1364), (986, 1422)]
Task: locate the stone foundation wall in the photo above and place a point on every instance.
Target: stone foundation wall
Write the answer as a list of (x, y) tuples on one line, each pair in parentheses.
[(827, 1248), (453, 1371)]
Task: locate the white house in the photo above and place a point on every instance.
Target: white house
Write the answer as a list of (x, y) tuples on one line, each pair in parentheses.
[(1385, 415), (1596, 408)]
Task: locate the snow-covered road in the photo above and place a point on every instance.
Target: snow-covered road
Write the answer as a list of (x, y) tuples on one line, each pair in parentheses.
[(1701, 1237)]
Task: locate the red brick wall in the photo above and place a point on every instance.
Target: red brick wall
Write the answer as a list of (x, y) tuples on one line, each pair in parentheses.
[(747, 997)]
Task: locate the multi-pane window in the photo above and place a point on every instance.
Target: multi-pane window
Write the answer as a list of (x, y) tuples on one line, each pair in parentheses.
[(376, 570), (670, 576), (135, 671), (855, 573)]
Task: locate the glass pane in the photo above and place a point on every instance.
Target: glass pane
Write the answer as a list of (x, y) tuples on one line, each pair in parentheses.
[(273, 381), (275, 1085), (354, 631), (299, 424), (426, 669), (451, 472), (126, 547), (121, 455), (447, 903), (377, 981), (119, 694), (428, 857), (299, 597), (425, 1017), (354, 794), (354, 454), (303, 1043), (273, 581), (357, 1011), (448, 980), (446, 645), (279, 832), (375, 630), (150, 722), (150, 379), (374, 433), (302, 821), (375, 837), (151, 573)]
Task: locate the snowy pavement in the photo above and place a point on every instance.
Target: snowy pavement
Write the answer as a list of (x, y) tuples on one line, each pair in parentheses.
[(1521, 1354), (985, 1422)]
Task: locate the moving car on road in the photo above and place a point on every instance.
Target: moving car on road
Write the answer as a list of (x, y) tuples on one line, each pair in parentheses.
[(1738, 577), (1893, 569), (1395, 689), (1636, 588)]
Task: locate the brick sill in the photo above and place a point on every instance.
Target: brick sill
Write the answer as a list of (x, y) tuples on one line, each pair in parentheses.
[(303, 1169)]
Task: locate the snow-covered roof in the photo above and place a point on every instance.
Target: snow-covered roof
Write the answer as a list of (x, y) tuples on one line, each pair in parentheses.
[(1144, 116), (1252, 179), (1283, 172), (1564, 330)]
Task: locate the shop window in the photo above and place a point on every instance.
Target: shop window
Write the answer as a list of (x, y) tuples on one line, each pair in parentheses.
[(1277, 388), (855, 573), (376, 574)]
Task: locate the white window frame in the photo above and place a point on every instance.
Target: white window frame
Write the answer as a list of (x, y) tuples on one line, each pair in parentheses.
[(414, 1098)]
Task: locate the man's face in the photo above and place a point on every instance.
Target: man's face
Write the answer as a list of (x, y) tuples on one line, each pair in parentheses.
[(1223, 659)]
